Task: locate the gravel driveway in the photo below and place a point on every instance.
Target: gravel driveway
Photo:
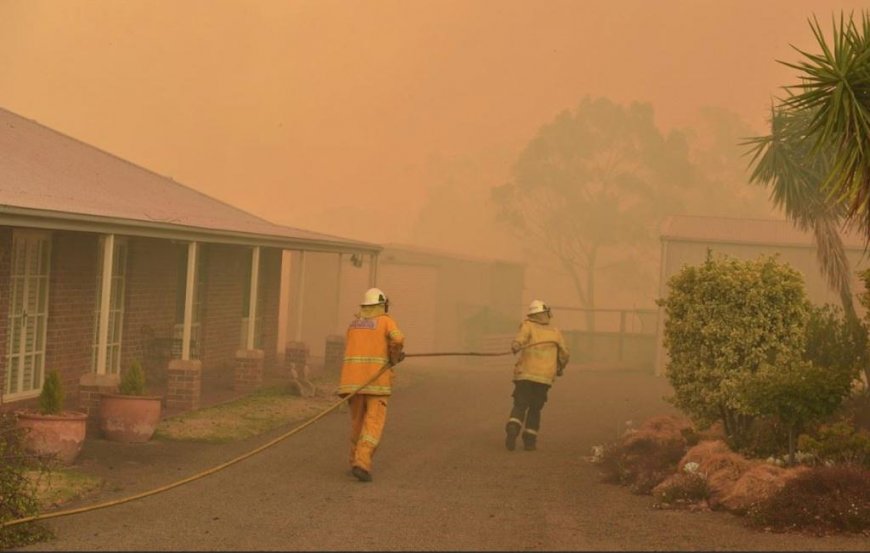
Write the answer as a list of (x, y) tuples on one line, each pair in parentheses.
[(442, 481)]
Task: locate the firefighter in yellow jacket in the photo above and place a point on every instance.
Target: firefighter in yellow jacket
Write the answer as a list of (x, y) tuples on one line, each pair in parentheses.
[(373, 340), (534, 373)]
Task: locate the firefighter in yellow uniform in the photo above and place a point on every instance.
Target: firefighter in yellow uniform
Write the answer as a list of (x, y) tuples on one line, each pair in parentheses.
[(534, 373), (373, 340)]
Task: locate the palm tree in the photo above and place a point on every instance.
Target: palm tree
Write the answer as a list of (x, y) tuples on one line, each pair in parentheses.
[(816, 159), (783, 162), (833, 100)]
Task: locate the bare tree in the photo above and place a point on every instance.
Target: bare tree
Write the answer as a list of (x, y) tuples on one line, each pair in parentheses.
[(591, 188)]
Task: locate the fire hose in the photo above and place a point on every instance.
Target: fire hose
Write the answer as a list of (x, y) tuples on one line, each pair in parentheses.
[(251, 453)]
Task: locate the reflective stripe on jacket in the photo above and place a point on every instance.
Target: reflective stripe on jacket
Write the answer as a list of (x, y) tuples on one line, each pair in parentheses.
[(539, 363), (367, 350)]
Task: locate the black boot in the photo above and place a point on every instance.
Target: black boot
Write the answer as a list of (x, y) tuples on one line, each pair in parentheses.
[(512, 432), (530, 441), (362, 474)]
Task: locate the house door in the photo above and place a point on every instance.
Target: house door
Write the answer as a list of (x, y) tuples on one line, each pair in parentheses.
[(28, 313)]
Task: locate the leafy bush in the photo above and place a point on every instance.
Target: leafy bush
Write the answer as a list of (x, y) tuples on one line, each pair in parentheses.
[(821, 500), (725, 319), (840, 442), (796, 393), (856, 408), (133, 380), (834, 343), (18, 497), (52, 396)]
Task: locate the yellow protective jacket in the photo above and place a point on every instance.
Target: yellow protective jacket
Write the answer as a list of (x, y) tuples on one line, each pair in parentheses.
[(539, 363), (367, 349)]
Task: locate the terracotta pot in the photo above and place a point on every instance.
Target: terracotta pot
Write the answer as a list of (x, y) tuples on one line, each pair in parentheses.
[(60, 436), (129, 418)]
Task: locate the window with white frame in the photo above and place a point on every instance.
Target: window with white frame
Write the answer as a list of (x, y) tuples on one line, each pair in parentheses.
[(246, 309), (28, 314)]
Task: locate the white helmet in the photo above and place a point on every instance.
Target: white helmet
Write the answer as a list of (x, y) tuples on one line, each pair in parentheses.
[(374, 296), (537, 306)]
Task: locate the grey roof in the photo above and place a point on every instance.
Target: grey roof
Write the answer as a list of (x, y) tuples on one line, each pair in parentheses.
[(51, 179), (688, 228)]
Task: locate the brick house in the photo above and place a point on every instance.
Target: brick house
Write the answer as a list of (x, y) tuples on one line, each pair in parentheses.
[(195, 283)]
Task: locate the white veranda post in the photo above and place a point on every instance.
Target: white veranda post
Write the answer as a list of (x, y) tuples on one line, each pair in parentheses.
[(300, 296), (190, 284), (105, 299), (252, 303)]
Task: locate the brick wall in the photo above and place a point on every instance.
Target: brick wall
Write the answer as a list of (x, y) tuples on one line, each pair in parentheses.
[(71, 304), (270, 288), (223, 298), (149, 303), (225, 268)]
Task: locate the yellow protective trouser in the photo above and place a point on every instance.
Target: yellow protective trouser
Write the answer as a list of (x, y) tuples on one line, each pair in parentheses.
[(368, 413)]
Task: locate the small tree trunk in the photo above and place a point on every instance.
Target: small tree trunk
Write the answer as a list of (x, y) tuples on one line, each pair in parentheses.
[(791, 456), (724, 414), (855, 327)]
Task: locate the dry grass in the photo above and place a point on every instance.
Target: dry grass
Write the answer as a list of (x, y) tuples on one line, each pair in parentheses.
[(59, 486), (647, 456), (249, 416), (758, 483), (681, 490), (820, 500)]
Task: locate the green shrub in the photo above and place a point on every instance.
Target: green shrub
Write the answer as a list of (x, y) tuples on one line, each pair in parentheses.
[(821, 500), (18, 496), (51, 397), (133, 380), (725, 319), (856, 408), (840, 442), (833, 343), (796, 393)]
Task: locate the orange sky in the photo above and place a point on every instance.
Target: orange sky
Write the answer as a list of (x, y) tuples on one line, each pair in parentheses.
[(307, 112)]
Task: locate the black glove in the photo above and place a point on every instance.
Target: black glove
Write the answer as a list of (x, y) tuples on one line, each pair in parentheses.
[(397, 355)]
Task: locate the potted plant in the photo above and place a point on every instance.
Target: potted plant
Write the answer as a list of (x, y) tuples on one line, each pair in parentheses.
[(130, 415), (51, 431)]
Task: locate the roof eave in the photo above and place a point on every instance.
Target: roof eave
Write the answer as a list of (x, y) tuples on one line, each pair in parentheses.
[(53, 220), (731, 242)]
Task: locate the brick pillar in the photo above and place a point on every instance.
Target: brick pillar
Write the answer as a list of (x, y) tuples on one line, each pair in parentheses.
[(91, 386), (183, 384), (249, 370), (334, 355)]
